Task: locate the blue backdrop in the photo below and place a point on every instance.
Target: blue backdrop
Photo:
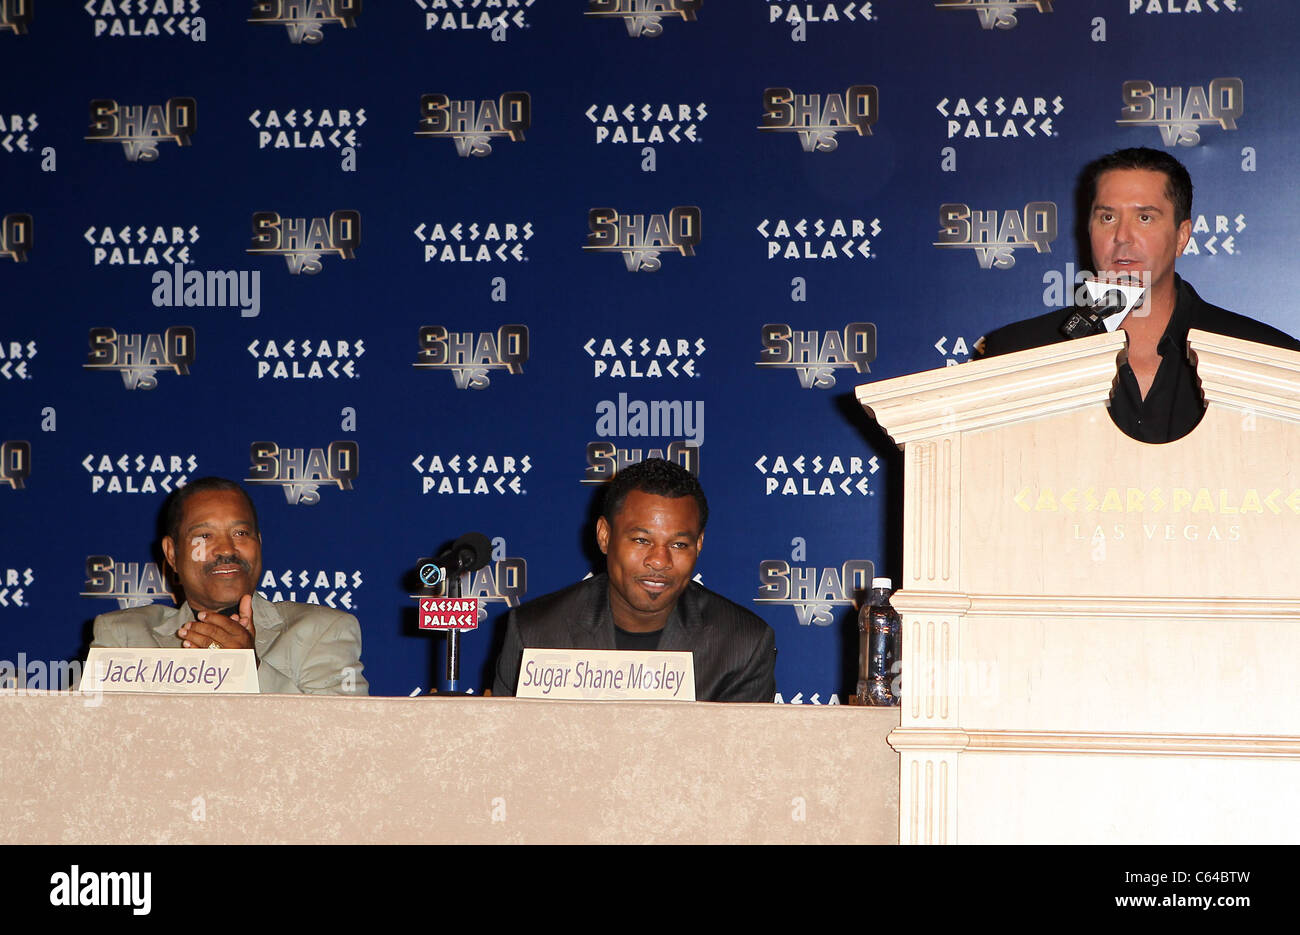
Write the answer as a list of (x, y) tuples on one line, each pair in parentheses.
[(490, 249)]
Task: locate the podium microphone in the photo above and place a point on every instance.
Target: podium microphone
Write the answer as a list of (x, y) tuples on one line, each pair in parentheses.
[(1106, 300)]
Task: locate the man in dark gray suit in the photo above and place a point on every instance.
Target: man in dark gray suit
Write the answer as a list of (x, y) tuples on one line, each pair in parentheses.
[(651, 531)]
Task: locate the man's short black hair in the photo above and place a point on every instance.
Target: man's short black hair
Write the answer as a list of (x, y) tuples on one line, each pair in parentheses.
[(175, 507), (654, 476), (1178, 183)]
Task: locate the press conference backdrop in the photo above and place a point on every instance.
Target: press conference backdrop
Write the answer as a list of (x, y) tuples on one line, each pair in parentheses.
[(419, 267)]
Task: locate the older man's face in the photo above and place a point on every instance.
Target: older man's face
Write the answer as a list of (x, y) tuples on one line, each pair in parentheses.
[(218, 551)]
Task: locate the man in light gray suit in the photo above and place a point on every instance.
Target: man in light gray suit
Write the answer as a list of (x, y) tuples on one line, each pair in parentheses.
[(651, 533), (215, 546)]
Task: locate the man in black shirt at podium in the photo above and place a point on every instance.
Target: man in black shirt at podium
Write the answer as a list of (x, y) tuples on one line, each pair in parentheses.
[(1139, 223)]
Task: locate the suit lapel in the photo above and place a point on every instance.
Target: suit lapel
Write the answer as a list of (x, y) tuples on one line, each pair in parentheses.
[(268, 625)]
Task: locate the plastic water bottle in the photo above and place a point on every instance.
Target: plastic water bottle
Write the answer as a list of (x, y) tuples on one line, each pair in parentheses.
[(880, 642)]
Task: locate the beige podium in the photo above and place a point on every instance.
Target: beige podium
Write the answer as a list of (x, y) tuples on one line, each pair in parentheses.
[(1101, 637)]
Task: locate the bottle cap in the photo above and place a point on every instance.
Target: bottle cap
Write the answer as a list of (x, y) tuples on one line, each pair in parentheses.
[(886, 583)]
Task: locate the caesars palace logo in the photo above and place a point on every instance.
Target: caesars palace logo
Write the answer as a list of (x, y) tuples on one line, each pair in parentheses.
[(304, 19), (301, 472), (996, 14), (146, 18), (472, 125), (644, 18), (14, 356), (1180, 113), (641, 238), (996, 235), (141, 127), (816, 118), (303, 241), (16, 132)]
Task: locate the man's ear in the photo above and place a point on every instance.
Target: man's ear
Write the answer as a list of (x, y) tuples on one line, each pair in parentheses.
[(602, 534), (1184, 235), (699, 543), (169, 551)]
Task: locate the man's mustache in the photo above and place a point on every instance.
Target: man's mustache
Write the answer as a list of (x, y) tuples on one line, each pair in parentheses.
[(231, 559)]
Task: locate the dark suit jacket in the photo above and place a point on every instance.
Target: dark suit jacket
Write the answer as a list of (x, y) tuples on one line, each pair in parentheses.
[(734, 650)]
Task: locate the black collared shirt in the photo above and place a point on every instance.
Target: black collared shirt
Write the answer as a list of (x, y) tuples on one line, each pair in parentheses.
[(1173, 406)]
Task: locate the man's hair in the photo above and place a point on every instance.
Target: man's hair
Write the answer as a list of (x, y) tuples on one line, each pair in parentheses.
[(175, 507), (1178, 183), (655, 476)]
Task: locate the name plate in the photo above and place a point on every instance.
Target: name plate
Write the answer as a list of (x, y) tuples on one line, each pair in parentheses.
[(606, 675), (178, 671)]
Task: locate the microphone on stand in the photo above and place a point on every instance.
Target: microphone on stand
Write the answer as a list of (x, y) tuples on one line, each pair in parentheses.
[(1105, 300), (467, 554)]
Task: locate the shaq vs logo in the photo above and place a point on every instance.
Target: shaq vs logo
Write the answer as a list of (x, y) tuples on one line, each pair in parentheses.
[(15, 464), (472, 125), (813, 592), (817, 120), (304, 18), (641, 240), (15, 15), (16, 237), (302, 241), (815, 356), (139, 357), (1179, 113), (301, 471), (995, 241), (996, 14), (131, 584), (470, 356), (140, 128), (644, 17)]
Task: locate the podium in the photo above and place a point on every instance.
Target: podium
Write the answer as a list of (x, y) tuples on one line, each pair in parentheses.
[(1101, 637)]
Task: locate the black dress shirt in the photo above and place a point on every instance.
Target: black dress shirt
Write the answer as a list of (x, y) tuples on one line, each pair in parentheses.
[(1173, 405)]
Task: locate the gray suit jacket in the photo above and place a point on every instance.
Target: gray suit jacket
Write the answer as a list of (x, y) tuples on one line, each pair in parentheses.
[(733, 649), (301, 648)]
